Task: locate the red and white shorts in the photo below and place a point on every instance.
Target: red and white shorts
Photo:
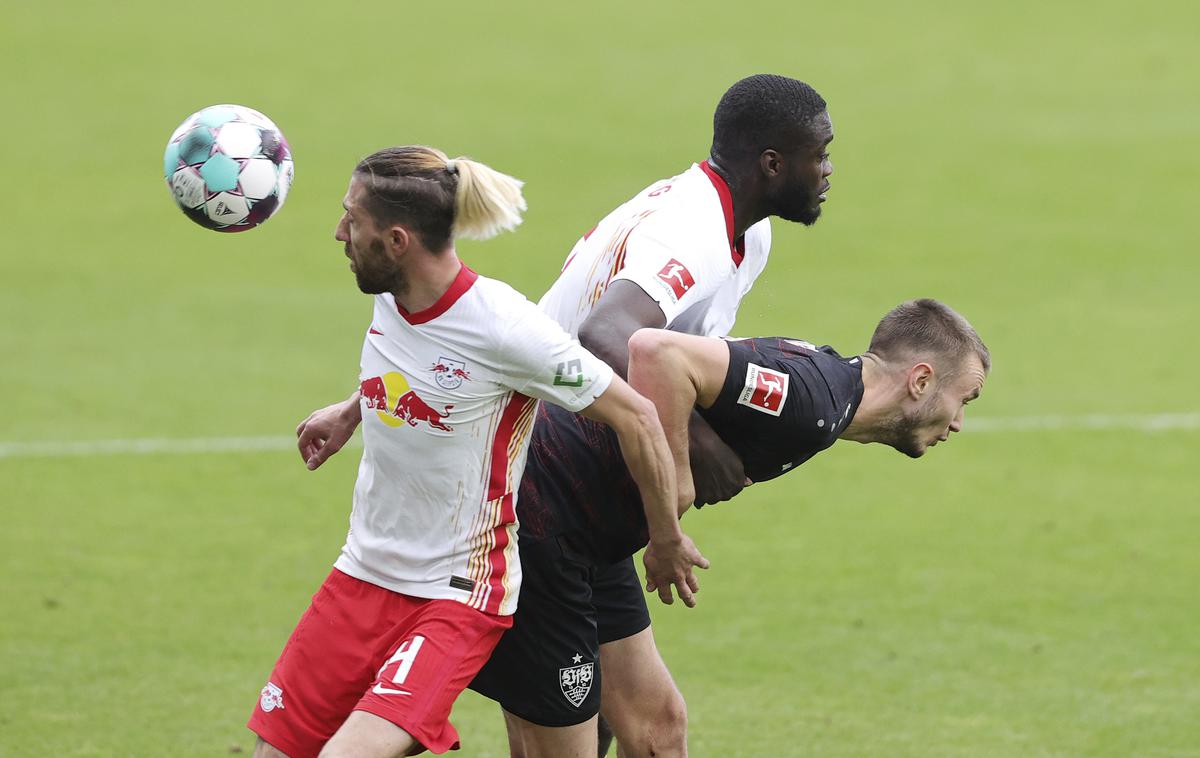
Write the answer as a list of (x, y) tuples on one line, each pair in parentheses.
[(363, 647)]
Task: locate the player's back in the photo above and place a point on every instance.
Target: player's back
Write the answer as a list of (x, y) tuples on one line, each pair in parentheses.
[(783, 401), (675, 240)]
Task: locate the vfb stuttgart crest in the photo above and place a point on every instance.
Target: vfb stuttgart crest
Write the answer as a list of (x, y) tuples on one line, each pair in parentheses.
[(449, 374), (271, 698), (576, 681)]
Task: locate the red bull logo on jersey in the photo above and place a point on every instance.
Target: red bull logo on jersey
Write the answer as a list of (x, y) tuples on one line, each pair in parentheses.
[(450, 374), (765, 390), (676, 278), (396, 405)]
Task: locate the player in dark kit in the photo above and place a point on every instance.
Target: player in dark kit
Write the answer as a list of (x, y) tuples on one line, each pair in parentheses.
[(776, 402)]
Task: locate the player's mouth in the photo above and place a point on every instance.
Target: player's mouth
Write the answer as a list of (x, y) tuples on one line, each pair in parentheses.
[(823, 192)]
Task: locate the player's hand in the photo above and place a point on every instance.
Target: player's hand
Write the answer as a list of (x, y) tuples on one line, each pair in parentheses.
[(669, 563), (717, 471), (325, 431)]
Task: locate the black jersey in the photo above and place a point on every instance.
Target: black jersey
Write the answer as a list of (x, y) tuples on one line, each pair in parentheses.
[(783, 402)]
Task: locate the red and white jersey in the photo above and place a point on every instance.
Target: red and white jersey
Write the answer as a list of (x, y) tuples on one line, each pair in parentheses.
[(448, 400), (674, 239)]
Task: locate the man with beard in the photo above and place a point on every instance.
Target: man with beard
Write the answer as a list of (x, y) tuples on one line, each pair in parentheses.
[(453, 366), (681, 254), (776, 402)]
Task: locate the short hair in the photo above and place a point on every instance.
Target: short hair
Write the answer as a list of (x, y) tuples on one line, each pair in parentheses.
[(761, 112), (927, 328), (439, 198)]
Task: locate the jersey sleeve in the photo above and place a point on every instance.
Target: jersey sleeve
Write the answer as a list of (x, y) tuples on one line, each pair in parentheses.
[(675, 267), (544, 362)]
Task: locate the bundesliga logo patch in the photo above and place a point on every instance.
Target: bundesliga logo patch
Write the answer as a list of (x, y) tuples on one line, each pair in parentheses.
[(576, 681), (765, 390), (271, 698), (677, 278)]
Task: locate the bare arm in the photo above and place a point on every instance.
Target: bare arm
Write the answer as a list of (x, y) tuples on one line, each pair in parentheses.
[(677, 372), (325, 431), (624, 308), (671, 554)]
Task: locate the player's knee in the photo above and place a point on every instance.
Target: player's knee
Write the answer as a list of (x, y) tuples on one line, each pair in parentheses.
[(660, 729), (673, 720)]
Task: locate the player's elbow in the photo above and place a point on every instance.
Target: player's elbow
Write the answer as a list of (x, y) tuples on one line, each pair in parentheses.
[(603, 340), (649, 346)]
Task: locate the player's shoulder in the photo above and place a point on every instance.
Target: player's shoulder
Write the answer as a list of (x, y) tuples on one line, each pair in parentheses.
[(679, 203), (820, 371), (512, 313)]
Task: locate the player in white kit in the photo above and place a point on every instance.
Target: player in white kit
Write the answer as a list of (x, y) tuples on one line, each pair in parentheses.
[(453, 365), (682, 254)]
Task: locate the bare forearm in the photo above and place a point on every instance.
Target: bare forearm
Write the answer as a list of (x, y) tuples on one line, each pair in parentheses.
[(648, 456)]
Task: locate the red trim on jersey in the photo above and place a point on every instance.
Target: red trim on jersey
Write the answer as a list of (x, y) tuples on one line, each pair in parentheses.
[(466, 277), (737, 250), (498, 476), (519, 406)]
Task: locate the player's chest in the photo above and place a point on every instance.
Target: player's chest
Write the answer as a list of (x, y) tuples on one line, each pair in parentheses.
[(428, 384)]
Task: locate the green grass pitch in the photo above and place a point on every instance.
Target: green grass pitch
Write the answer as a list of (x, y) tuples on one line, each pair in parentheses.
[(1019, 592)]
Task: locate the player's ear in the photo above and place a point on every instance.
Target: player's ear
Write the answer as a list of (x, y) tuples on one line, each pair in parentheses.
[(770, 162), (920, 380), (399, 240)]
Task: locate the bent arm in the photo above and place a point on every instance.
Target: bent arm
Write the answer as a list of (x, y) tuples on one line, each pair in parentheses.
[(677, 372), (645, 451), (622, 310), (671, 555)]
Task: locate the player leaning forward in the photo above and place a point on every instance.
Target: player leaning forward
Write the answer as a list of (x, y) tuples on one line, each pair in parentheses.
[(452, 367)]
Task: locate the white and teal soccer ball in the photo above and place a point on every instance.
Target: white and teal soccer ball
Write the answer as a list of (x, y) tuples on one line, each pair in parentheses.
[(228, 167)]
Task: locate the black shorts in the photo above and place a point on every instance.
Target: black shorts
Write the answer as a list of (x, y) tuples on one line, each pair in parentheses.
[(546, 668)]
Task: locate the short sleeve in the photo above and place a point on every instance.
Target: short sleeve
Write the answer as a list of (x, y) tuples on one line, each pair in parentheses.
[(677, 273), (544, 362)]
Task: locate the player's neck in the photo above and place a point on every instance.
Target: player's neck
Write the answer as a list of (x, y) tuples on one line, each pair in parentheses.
[(746, 211), (878, 403), (426, 279)]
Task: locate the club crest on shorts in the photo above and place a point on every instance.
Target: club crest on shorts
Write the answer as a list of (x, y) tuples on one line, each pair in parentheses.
[(449, 374), (271, 698), (576, 681)]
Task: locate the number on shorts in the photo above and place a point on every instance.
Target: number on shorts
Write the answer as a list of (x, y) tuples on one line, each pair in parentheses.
[(405, 654)]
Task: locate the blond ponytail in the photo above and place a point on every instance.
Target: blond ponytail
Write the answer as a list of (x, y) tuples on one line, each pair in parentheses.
[(439, 197), (487, 201)]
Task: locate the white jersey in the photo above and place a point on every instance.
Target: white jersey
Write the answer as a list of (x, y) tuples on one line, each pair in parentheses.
[(448, 401), (674, 239)]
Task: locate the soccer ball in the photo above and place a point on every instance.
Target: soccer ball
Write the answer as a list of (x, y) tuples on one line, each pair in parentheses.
[(228, 167)]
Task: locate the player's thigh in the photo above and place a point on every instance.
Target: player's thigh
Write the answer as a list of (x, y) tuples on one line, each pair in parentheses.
[(328, 662), (536, 741), (637, 684), (545, 669), (365, 735), (639, 698), (439, 650)]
